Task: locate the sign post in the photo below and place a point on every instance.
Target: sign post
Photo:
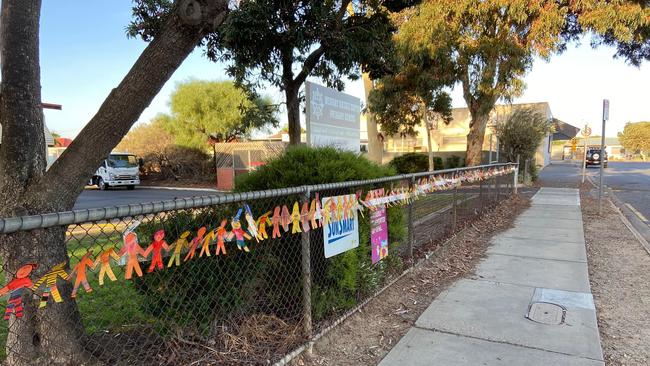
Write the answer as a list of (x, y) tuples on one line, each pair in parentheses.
[(602, 155), (586, 132)]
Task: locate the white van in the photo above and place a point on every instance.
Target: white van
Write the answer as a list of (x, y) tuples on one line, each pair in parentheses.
[(120, 169)]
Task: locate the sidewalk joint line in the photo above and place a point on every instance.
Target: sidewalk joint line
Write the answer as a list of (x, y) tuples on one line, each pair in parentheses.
[(505, 343), (540, 258)]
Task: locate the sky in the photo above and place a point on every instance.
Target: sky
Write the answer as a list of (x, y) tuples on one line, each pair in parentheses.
[(85, 53)]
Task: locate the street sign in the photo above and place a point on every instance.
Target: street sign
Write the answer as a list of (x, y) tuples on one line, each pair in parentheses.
[(586, 132), (605, 109)]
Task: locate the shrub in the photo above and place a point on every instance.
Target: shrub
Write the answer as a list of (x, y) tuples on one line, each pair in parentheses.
[(454, 162), (206, 292), (414, 163), (338, 282), (302, 165)]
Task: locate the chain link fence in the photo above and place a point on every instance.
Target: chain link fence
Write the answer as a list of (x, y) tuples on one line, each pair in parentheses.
[(244, 278)]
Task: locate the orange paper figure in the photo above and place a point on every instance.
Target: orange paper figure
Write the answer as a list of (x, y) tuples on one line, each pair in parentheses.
[(285, 218), (315, 213), (131, 249), (80, 269), (262, 221), (49, 279), (178, 246), (222, 234), (304, 217), (156, 246), (344, 207), (205, 248), (195, 243), (275, 220), (105, 260), (295, 219), (239, 233), (15, 289)]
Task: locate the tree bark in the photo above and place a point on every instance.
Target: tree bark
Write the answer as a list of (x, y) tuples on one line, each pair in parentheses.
[(55, 334), (293, 114), (476, 136)]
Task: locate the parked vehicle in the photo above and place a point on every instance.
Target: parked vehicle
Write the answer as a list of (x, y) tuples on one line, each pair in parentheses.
[(595, 156), (119, 169)]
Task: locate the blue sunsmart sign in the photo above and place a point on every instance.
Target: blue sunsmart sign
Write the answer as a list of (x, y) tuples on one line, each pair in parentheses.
[(342, 232)]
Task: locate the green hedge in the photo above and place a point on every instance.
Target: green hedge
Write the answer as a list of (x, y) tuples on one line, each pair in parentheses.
[(414, 163), (206, 291)]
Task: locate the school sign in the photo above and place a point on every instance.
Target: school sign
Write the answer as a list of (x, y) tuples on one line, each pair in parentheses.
[(342, 234)]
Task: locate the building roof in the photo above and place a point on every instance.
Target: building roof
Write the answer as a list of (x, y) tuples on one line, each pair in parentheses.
[(563, 130), (49, 139), (501, 111), (595, 140)]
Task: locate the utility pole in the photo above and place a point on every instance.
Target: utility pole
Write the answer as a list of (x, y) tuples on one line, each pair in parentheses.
[(602, 155), (585, 135)]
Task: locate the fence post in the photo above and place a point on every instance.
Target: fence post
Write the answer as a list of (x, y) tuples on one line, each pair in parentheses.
[(516, 178), (455, 206), (306, 280), (480, 195), (411, 241), (526, 171)]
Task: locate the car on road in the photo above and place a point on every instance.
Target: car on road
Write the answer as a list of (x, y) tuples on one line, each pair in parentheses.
[(119, 169), (595, 156)]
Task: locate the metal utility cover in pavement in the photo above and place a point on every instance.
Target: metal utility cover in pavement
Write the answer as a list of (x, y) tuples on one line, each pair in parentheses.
[(546, 313)]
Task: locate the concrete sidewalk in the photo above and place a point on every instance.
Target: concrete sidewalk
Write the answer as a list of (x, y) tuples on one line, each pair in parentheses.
[(528, 304)]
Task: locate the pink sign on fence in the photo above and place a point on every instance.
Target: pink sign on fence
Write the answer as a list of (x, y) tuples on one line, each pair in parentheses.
[(378, 230)]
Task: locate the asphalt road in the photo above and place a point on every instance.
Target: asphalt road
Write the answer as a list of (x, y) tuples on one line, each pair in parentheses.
[(93, 197), (630, 182)]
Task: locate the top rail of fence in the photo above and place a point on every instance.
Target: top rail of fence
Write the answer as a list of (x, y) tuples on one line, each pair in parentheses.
[(31, 222)]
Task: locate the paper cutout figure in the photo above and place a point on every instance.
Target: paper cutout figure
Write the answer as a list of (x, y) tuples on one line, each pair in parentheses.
[(178, 246), (15, 289), (252, 225), (304, 217), (49, 280), (105, 260), (131, 249), (285, 218), (262, 221), (316, 213), (295, 219), (275, 220), (239, 233), (156, 246), (195, 243), (327, 211), (81, 278), (207, 241), (221, 234)]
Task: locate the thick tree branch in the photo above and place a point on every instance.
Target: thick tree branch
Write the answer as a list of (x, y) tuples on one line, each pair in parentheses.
[(308, 65), (121, 109), (22, 151)]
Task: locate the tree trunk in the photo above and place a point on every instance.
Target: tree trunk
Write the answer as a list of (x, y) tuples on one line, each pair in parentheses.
[(293, 114), (55, 335), (475, 138)]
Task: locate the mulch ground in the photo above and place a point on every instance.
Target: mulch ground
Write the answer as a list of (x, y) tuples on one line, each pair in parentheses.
[(368, 335), (619, 272)]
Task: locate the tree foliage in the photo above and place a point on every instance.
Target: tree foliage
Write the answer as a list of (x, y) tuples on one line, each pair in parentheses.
[(217, 109), (522, 133), (636, 137), (284, 42), (488, 46)]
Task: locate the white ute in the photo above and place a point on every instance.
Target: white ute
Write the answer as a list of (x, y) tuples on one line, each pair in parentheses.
[(120, 169)]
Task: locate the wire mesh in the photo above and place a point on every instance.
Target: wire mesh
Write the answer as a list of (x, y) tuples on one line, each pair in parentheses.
[(243, 282)]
